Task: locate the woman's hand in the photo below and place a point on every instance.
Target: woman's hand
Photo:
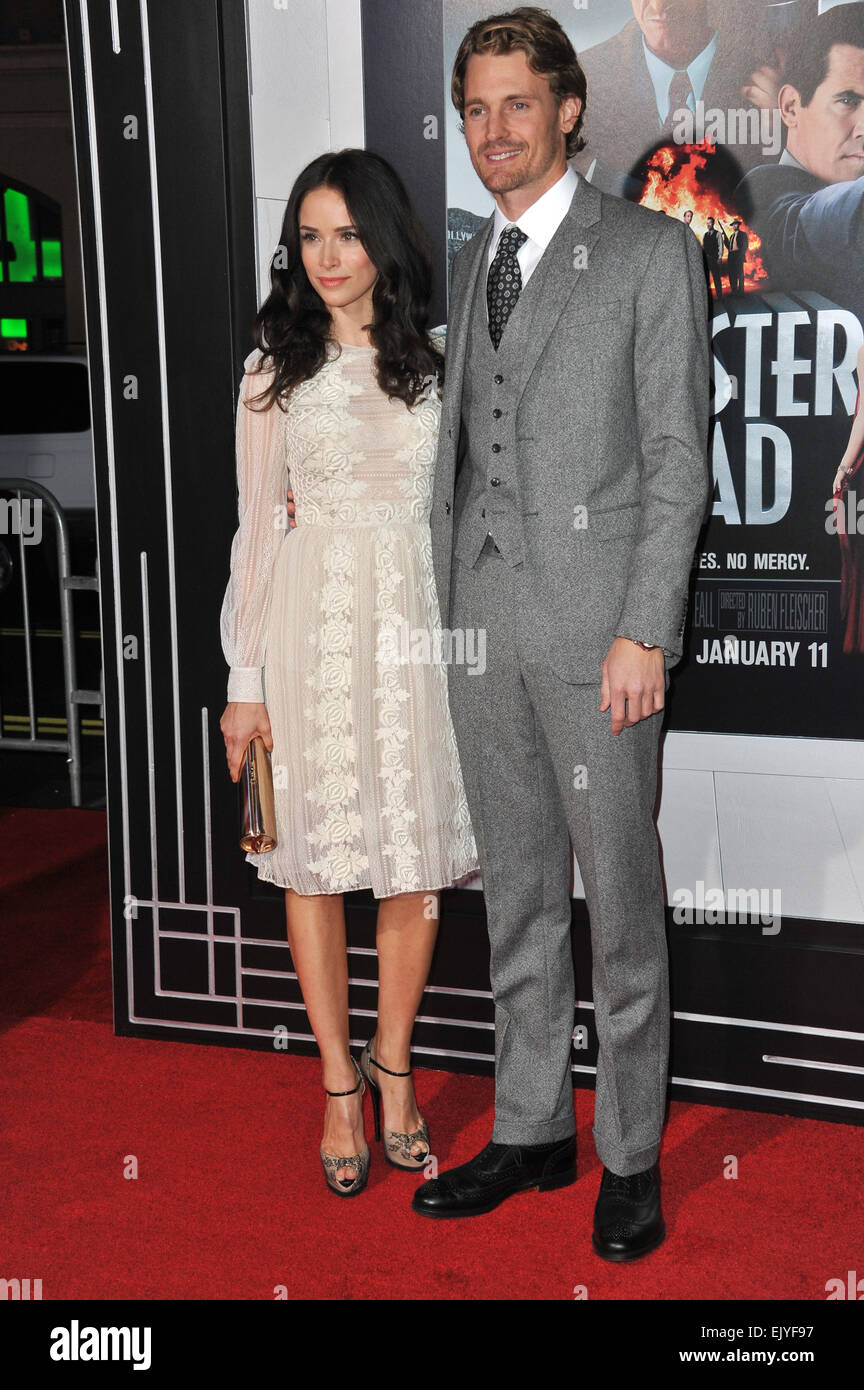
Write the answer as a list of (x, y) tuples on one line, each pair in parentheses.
[(241, 722)]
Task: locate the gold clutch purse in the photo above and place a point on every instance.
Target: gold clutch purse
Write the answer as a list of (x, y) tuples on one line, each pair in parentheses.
[(258, 817)]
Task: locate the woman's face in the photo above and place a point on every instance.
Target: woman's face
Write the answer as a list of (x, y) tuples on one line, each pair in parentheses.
[(333, 254)]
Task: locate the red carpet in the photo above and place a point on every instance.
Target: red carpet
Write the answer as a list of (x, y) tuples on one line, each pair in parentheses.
[(230, 1201)]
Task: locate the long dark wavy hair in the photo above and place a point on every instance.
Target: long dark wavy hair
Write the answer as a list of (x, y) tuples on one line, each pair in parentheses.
[(293, 323)]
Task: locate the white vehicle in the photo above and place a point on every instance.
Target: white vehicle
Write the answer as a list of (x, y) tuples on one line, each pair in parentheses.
[(45, 429)]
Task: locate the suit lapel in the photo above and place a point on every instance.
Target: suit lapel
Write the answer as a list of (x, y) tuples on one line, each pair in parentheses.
[(644, 116), (561, 266), (459, 326)]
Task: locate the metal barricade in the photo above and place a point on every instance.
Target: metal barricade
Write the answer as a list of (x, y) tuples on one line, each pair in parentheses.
[(68, 583)]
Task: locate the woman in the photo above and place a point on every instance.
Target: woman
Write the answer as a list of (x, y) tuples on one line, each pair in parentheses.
[(851, 543), (340, 396)]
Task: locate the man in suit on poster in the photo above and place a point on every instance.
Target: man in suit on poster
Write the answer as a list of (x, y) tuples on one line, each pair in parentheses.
[(672, 54), (570, 484), (738, 244), (713, 244), (809, 208)]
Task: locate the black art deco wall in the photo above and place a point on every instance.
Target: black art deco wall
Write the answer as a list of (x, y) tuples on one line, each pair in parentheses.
[(164, 155), (161, 110)]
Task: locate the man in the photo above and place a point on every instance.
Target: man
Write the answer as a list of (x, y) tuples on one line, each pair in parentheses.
[(670, 55), (712, 244), (809, 208), (738, 244), (570, 484)]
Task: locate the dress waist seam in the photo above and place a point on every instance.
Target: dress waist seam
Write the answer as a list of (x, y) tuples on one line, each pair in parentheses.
[(357, 525)]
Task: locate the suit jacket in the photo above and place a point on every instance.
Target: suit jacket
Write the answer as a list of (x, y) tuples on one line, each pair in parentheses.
[(621, 119), (812, 232), (610, 414)]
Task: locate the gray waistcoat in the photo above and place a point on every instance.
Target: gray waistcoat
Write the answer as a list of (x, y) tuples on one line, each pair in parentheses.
[(487, 498)]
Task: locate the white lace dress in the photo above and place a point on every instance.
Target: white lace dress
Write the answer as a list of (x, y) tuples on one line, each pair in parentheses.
[(318, 622)]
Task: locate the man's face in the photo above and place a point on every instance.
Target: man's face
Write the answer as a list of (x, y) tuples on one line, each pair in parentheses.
[(827, 136), (710, 224), (676, 30), (513, 127)]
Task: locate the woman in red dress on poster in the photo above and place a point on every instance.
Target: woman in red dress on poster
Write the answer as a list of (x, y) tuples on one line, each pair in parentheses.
[(851, 543)]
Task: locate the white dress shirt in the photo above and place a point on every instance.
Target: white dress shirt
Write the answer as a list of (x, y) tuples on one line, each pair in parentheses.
[(539, 222)]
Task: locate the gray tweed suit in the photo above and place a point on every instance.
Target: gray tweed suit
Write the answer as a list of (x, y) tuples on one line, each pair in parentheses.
[(580, 444)]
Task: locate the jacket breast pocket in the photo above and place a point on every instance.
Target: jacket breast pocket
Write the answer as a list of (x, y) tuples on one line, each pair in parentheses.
[(591, 313)]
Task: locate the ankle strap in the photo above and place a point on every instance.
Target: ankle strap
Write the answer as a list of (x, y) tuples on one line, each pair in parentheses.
[(354, 1089), (373, 1063)]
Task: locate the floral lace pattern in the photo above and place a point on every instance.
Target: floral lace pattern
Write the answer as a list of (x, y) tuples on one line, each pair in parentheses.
[(337, 836), (329, 465), (392, 733), (373, 793)]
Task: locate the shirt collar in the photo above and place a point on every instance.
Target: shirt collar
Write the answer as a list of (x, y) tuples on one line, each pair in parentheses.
[(787, 158), (662, 74), (542, 219)]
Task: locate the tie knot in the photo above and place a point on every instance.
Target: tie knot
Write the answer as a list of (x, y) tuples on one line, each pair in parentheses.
[(512, 238)]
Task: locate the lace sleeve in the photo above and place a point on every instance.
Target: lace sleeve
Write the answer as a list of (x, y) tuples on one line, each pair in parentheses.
[(261, 485)]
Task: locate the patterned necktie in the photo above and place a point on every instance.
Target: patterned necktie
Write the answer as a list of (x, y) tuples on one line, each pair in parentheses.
[(504, 282), (680, 88)]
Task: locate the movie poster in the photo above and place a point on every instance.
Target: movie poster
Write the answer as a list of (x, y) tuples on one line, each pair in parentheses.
[(745, 119)]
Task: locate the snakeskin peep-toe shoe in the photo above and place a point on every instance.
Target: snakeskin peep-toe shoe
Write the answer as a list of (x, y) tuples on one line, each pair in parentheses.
[(397, 1146), (347, 1187)]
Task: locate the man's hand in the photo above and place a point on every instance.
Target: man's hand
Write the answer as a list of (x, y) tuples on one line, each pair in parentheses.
[(290, 510), (763, 89), (633, 683)]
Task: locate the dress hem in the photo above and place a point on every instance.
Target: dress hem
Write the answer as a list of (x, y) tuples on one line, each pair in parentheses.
[(355, 887)]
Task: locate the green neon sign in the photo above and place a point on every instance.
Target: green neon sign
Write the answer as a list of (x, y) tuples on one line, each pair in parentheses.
[(52, 264), (23, 267)]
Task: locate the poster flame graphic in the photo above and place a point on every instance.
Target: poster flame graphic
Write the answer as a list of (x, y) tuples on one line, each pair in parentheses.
[(676, 181)]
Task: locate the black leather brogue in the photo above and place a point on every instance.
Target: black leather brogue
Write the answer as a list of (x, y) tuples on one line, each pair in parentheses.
[(496, 1173), (628, 1218)]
